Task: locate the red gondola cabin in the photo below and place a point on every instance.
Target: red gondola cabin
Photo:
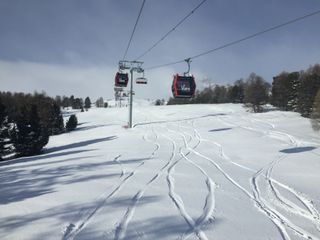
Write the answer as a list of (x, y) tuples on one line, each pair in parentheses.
[(121, 79), (183, 86)]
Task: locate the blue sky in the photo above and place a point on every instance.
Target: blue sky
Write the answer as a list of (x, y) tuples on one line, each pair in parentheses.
[(73, 47)]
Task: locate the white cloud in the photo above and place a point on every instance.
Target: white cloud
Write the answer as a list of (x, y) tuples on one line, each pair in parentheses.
[(56, 79), (93, 81)]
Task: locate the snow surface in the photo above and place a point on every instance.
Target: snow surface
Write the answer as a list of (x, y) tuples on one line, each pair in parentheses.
[(183, 172)]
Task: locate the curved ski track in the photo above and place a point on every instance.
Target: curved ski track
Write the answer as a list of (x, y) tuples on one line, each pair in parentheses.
[(209, 201), (121, 229), (208, 209), (279, 220), (273, 214), (195, 226), (311, 213), (73, 229)]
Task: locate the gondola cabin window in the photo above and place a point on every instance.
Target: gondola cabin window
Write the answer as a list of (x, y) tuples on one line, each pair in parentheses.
[(184, 85)]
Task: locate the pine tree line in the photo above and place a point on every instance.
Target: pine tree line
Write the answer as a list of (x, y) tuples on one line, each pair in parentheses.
[(253, 91), (26, 122), (315, 116), (297, 91), (73, 102), (215, 94)]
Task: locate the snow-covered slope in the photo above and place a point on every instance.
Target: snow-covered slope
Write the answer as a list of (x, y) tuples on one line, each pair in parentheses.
[(183, 172)]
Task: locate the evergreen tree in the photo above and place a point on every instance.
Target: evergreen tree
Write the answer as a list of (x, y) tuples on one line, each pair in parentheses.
[(206, 96), (72, 101), (28, 135), (65, 102), (294, 85), (58, 100), (87, 103), (308, 88), (235, 92), (49, 114), (77, 103), (56, 120), (71, 123), (220, 94), (280, 91), (315, 116), (3, 130)]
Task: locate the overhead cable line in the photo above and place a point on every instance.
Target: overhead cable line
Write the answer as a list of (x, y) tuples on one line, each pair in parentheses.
[(239, 40), (134, 29), (170, 31)]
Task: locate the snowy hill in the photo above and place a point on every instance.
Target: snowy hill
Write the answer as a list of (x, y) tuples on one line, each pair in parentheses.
[(136, 102), (183, 172)]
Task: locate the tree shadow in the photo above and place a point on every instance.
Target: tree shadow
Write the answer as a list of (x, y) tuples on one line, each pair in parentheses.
[(79, 124), (79, 144), (297, 150), (65, 214), (24, 183), (91, 127), (90, 178), (18, 184), (41, 157), (13, 223), (46, 153), (219, 129)]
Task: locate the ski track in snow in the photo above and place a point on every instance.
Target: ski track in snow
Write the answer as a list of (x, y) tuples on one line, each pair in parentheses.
[(118, 161), (195, 225), (209, 206), (311, 213), (73, 229), (279, 220), (177, 200), (271, 132), (121, 229), (273, 214), (208, 209)]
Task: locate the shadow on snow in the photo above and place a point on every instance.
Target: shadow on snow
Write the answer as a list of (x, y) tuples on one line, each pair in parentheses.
[(80, 144), (65, 214), (20, 184), (219, 129), (297, 150), (91, 127)]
